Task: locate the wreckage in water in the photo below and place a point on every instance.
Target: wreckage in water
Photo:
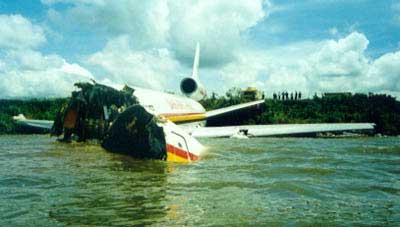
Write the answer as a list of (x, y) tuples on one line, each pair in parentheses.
[(149, 124), (122, 124)]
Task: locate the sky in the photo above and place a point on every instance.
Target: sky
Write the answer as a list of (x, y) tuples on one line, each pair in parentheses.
[(311, 46)]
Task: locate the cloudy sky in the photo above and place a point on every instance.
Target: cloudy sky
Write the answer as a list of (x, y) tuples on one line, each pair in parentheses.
[(275, 45)]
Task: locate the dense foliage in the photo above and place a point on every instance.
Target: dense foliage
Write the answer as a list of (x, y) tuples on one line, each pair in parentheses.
[(33, 108), (383, 110)]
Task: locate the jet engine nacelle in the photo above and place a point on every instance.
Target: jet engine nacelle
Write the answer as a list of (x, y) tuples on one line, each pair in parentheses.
[(193, 89)]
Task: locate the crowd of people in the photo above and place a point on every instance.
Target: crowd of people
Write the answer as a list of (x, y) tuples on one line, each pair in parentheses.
[(287, 96)]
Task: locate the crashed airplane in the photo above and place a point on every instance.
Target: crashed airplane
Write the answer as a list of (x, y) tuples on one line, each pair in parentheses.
[(150, 124)]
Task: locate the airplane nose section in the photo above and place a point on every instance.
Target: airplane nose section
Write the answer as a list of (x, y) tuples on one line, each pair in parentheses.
[(135, 132)]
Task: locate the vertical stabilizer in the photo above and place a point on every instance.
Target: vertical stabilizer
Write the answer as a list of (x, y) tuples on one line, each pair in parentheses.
[(196, 62), (191, 86)]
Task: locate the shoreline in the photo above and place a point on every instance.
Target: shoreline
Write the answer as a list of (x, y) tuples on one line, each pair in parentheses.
[(381, 109)]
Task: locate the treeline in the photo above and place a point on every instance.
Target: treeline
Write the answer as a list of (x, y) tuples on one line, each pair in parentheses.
[(43, 109), (381, 109)]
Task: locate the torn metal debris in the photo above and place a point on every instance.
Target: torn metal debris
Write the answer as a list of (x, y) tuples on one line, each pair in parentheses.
[(113, 118)]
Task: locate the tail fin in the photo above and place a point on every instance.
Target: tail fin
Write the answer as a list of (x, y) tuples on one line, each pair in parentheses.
[(195, 71), (191, 86)]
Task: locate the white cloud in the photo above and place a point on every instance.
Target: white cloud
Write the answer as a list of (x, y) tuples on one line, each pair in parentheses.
[(176, 25), (344, 57), (16, 32), (31, 60), (151, 44), (270, 71), (151, 68), (333, 31), (384, 73), (245, 70), (328, 66), (217, 25), (31, 74), (51, 82), (146, 22), (26, 72), (77, 70)]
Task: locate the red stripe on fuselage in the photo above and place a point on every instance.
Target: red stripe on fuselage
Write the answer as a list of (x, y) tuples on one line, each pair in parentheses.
[(181, 153)]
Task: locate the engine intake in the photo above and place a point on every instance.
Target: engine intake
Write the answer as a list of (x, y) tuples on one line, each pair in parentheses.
[(192, 88), (188, 85)]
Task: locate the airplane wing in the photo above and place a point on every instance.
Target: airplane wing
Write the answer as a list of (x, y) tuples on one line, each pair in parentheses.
[(41, 124), (276, 130), (229, 109)]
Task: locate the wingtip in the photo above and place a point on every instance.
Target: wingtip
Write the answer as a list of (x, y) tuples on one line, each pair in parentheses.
[(19, 117)]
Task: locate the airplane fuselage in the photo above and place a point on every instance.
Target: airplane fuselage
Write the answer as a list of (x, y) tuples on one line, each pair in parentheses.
[(176, 108), (180, 146)]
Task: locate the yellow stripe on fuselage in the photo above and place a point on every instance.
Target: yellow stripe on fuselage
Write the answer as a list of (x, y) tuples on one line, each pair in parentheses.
[(186, 118), (171, 157)]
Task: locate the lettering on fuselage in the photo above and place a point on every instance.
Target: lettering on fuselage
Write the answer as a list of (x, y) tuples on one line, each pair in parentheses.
[(179, 105)]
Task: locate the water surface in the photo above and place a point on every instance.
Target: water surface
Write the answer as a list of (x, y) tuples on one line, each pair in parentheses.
[(264, 181)]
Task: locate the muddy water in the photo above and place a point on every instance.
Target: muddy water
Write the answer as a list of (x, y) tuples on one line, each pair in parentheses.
[(239, 182)]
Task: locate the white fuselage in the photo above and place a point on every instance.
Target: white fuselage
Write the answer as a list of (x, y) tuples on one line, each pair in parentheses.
[(166, 104), (180, 146)]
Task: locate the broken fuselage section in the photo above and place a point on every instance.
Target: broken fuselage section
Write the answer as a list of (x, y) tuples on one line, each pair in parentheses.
[(124, 123)]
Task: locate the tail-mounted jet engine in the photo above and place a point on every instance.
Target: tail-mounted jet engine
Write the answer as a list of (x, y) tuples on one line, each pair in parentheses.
[(192, 88)]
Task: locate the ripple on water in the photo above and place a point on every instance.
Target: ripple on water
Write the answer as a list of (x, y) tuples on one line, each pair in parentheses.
[(263, 181)]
